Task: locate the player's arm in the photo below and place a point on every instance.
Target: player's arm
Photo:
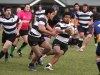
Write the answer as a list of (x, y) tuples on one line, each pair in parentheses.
[(35, 18), (19, 26), (49, 28), (91, 21), (60, 31), (43, 29), (30, 23)]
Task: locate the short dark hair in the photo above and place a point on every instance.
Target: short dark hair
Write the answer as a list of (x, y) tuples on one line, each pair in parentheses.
[(49, 10), (94, 8), (7, 7), (85, 5), (26, 4), (96, 16), (76, 4), (66, 13)]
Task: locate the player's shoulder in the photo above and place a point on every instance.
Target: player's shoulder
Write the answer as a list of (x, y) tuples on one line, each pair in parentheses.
[(96, 22), (14, 16), (90, 12), (42, 19), (79, 12)]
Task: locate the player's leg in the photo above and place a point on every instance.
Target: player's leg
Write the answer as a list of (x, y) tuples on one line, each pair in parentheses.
[(59, 50), (46, 48), (24, 35), (47, 38), (13, 46), (89, 36), (33, 42), (5, 48), (4, 38), (35, 58), (95, 39), (80, 41), (81, 36), (45, 44), (98, 56)]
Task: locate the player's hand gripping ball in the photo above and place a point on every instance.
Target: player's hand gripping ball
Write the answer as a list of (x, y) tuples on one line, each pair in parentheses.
[(72, 30)]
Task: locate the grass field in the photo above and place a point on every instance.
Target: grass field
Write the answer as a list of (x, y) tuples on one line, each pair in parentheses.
[(72, 63)]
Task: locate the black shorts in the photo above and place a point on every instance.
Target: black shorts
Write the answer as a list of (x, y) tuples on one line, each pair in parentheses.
[(62, 45), (10, 37), (85, 30), (33, 41), (22, 33)]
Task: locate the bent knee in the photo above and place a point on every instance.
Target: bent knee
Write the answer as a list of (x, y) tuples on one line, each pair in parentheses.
[(5, 49), (89, 36)]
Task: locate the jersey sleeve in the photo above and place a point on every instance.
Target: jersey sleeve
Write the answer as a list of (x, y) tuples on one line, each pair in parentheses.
[(91, 15), (58, 26), (18, 20), (77, 14), (36, 14), (42, 21), (19, 15)]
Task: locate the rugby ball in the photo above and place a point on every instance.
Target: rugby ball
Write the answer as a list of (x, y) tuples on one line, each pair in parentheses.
[(72, 30)]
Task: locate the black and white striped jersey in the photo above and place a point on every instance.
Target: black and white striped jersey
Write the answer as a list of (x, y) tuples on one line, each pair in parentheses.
[(39, 14), (84, 18), (9, 24), (64, 37), (34, 31)]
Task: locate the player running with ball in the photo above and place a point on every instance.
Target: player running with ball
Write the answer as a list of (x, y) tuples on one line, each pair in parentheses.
[(60, 43)]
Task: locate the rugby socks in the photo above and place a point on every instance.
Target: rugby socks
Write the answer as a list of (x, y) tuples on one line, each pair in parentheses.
[(2, 53), (49, 64), (80, 42), (12, 49), (77, 39), (23, 46), (95, 40), (98, 64), (31, 64), (31, 53), (6, 55)]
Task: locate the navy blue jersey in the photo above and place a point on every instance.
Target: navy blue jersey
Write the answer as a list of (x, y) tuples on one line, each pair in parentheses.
[(97, 27), (55, 20), (73, 14)]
